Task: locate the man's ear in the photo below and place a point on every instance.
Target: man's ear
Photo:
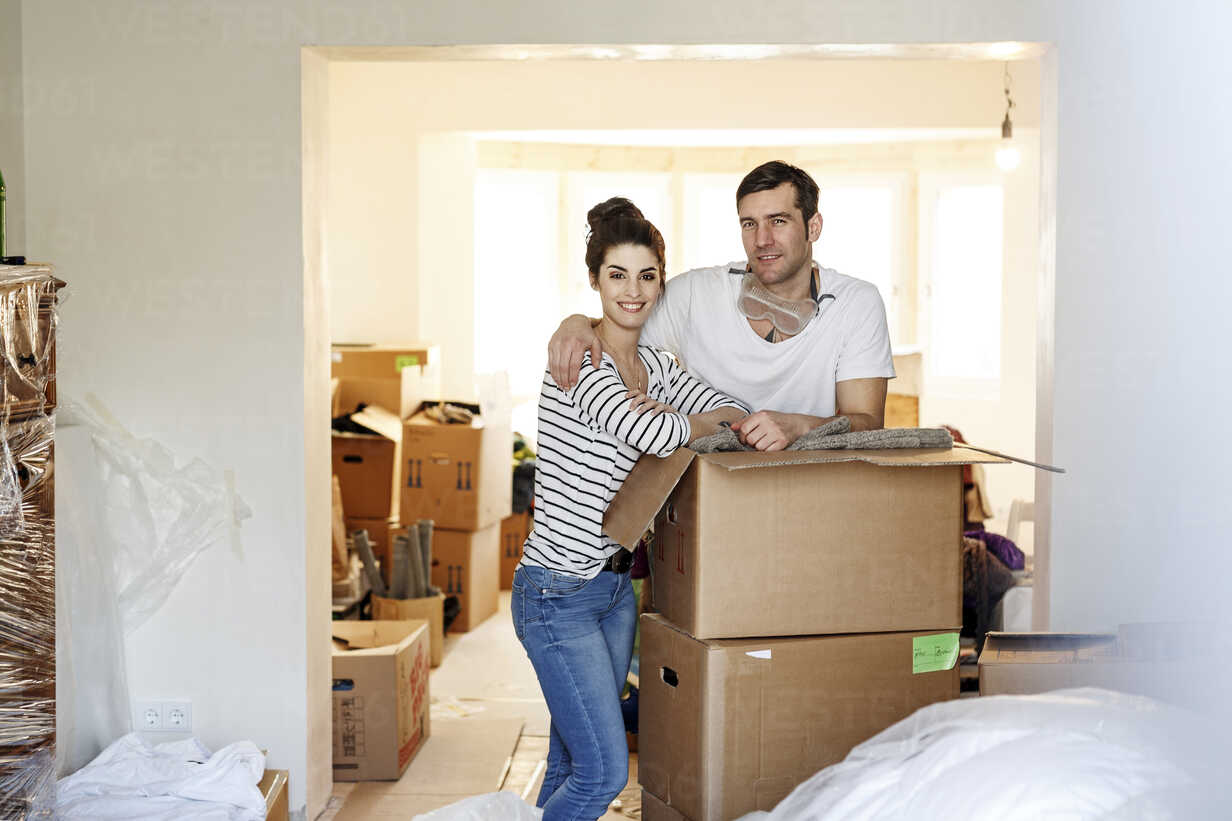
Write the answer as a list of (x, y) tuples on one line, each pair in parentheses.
[(814, 227)]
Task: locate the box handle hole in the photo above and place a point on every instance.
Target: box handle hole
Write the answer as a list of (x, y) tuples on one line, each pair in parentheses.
[(669, 676), (352, 459)]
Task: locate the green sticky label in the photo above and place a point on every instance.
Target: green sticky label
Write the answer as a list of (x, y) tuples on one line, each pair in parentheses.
[(405, 361), (932, 653)]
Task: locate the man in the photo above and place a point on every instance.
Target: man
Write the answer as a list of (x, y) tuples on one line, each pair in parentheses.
[(777, 332)]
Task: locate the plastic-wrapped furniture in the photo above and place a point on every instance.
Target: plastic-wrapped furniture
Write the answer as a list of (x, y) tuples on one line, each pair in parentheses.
[(27, 540)]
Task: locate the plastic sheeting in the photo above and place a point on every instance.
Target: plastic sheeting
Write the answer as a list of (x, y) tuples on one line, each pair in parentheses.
[(496, 806), (1078, 754), (27, 541), (132, 523), (156, 517)]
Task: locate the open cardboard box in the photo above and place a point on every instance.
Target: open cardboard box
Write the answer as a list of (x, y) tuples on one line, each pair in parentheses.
[(731, 726), (380, 697), (367, 466), (1169, 662), (800, 542), (458, 475), (395, 377)]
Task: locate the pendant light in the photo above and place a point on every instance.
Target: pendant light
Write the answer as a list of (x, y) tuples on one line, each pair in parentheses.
[(1008, 155)]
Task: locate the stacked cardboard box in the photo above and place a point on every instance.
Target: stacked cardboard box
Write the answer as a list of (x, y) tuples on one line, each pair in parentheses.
[(807, 601), (389, 380), (457, 475), (514, 530), (27, 540)]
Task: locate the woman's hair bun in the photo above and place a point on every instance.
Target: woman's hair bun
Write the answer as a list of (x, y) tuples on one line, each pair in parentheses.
[(615, 208)]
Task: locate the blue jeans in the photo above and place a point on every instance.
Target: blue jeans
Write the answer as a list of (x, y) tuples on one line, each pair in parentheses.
[(578, 634)]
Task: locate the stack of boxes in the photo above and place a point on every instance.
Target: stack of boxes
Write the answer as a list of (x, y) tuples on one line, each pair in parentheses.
[(458, 476), (414, 467), (388, 379), (27, 540), (807, 601)]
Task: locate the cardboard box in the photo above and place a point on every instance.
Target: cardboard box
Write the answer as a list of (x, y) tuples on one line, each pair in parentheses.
[(1027, 663), (459, 476), (431, 608), (653, 809), (273, 786), (800, 542), (381, 534), (513, 532), (467, 565), (380, 697), (394, 377), (367, 467), (731, 726)]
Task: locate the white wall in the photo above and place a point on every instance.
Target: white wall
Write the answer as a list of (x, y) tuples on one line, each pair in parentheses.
[(12, 121), (187, 262)]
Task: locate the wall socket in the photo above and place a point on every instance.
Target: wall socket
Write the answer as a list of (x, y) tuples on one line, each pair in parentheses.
[(172, 716)]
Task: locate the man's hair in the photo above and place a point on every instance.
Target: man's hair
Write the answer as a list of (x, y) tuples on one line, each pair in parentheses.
[(768, 176)]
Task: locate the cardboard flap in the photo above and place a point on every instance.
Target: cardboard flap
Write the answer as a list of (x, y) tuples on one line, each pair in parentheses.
[(890, 457), (374, 635), (643, 493), (1048, 648), (379, 421)]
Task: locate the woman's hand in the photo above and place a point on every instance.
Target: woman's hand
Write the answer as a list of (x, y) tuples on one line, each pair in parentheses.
[(641, 403)]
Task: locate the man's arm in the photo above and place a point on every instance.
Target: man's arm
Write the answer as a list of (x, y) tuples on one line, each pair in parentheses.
[(575, 336), (861, 400), (704, 424)]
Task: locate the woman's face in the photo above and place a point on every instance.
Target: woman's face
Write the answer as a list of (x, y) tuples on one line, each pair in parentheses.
[(629, 282)]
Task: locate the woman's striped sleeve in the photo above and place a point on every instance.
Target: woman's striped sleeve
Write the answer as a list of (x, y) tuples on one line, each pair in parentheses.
[(599, 396)]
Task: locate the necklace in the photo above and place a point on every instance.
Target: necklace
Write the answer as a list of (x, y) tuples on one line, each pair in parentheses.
[(636, 370)]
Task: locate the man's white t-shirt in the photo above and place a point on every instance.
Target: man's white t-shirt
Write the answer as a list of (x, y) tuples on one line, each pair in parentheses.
[(697, 319)]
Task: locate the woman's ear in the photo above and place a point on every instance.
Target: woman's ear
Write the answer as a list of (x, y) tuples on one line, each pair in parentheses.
[(594, 281)]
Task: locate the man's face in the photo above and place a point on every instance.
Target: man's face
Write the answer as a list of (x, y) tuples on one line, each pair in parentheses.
[(777, 241)]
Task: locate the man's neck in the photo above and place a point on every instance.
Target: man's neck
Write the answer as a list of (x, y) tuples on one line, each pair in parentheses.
[(797, 286)]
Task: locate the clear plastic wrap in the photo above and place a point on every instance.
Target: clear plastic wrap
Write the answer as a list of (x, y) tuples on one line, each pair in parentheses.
[(156, 516), (27, 541)]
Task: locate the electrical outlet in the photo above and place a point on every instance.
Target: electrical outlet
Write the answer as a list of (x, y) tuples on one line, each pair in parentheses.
[(177, 715), (147, 715)]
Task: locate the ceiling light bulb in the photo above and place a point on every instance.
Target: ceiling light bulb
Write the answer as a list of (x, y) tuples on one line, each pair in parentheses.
[(1008, 156)]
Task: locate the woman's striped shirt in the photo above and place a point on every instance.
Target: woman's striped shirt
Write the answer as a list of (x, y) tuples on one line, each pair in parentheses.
[(589, 440)]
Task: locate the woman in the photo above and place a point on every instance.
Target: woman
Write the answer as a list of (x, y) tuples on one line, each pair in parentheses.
[(573, 606)]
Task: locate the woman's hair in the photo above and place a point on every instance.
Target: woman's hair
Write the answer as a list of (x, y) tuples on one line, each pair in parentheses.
[(619, 222)]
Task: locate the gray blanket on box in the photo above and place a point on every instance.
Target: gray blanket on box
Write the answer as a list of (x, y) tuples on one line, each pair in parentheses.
[(836, 435)]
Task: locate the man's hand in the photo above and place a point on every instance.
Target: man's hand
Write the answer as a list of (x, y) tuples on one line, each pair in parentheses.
[(771, 430), (566, 348)]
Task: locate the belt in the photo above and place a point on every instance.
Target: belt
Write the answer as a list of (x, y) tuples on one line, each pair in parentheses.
[(618, 562)]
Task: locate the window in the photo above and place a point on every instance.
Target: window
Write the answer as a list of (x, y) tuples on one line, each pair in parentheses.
[(961, 259), (861, 236), (517, 295), (710, 230)]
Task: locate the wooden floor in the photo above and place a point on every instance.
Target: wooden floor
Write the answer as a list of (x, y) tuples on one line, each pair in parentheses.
[(489, 732)]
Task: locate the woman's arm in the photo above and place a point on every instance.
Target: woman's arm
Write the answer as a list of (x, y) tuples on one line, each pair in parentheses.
[(690, 395), (704, 424), (602, 398)]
